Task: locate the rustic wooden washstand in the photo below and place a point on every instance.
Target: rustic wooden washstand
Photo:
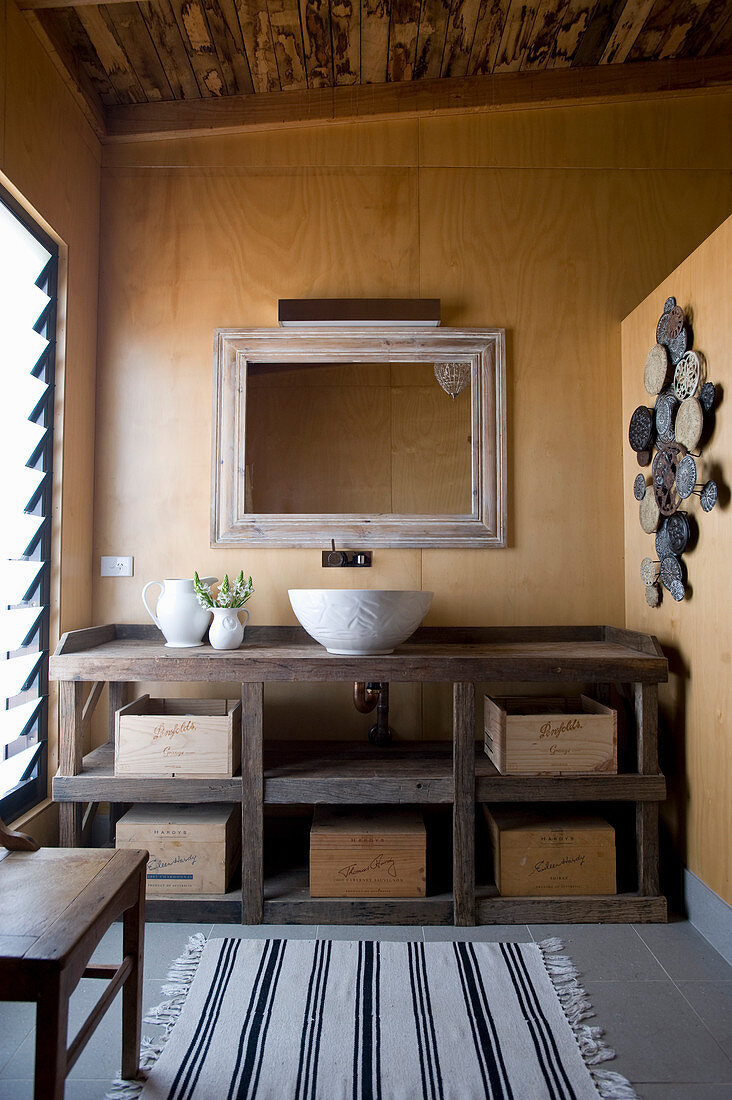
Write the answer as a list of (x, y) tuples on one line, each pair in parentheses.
[(455, 772)]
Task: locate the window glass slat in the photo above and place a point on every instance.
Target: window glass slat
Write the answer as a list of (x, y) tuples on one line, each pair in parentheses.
[(13, 770), (15, 626), (17, 536), (14, 673), (15, 721), (21, 304), (16, 578)]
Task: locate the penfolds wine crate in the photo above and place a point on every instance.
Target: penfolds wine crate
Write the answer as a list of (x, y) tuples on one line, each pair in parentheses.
[(178, 737), (547, 852), (193, 849), (367, 853), (550, 736)]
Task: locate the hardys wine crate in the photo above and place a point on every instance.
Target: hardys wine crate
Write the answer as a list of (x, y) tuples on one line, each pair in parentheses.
[(367, 853), (178, 737), (193, 849), (538, 736), (540, 852)]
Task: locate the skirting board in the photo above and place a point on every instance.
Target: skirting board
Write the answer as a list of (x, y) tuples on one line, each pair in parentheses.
[(709, 914)]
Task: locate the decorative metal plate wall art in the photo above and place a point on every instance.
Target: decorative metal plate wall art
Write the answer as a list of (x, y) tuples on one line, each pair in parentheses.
[(675, 375)]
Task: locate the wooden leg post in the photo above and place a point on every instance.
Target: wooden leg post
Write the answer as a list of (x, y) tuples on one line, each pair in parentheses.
[(133, 941), (646, 840), (252, 816), (117, 691), (646, 723), (70, 708), (52, 1014), (646, 813), (463, 720)]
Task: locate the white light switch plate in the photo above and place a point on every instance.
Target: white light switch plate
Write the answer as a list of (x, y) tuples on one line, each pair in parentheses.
[(117, 567)]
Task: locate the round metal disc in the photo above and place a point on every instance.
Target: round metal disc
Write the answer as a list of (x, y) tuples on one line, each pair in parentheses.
[(671, 332), (670, 570), (666, 406), (686, 477), (677, 347), (687, 375), (677, 590), (664, 469), (663, 547), (674, 322), (678, 533), (668, 305), (653, 595), (640, 429), (656, 369), (709, 496), (649, 513), (689, 423), (639, 487), (643, 458), (706, 396), (648, 570)]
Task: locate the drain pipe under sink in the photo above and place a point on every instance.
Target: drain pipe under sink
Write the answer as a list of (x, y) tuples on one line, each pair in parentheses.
[(366, 696)]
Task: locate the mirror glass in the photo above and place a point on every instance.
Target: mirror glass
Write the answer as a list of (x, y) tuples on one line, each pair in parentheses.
[(362, 438)]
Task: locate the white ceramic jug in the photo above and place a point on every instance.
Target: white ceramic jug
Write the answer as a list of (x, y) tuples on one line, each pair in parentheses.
[(227, 629), (178, 613)]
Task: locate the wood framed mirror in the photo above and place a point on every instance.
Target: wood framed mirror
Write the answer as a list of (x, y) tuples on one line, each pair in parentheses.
[(346, 433)]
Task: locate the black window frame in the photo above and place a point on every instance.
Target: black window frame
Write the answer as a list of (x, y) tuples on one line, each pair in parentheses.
[(33, 790)]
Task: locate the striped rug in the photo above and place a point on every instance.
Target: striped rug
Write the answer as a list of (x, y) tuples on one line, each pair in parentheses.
[(346, 1020)]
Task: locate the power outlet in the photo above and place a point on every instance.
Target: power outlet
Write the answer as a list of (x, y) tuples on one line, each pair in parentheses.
[(117, 567)]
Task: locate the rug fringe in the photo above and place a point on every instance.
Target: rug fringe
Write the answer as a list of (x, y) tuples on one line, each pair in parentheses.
[(179, 979), (578, 1008)]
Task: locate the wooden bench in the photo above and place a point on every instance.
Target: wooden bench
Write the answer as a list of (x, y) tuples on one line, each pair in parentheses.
[(55, 906)]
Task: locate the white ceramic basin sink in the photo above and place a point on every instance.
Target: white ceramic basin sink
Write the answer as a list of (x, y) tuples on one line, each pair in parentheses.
[(359, 621)]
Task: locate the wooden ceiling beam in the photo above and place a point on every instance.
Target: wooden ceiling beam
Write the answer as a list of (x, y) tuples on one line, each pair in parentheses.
[(39, 5), (505, 92)]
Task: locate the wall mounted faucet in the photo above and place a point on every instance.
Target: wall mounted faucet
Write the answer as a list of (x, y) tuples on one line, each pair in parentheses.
[(346, 559)]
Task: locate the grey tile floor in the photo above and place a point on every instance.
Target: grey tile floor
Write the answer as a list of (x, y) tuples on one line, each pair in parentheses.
[(662, 993)]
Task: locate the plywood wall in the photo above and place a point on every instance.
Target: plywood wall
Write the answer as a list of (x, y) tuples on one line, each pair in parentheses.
[(696, 704), (51, 159), (552, 224)]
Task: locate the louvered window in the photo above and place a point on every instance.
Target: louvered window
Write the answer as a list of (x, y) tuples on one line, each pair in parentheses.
[(28, 273)]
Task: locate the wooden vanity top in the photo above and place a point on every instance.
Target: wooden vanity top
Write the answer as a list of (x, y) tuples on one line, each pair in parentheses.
[(125, 652)]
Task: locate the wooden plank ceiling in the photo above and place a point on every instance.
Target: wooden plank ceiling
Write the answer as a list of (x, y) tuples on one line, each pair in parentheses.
[(121, 55)]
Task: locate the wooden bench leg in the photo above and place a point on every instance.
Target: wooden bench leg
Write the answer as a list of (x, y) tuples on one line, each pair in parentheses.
[(252, 822), (463, 812), (70, 816), (52, 1016), (133, 940)]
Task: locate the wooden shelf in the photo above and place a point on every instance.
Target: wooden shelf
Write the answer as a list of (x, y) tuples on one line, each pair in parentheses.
[(287, 901), (339, 772), (491, 908), (196, 908), (572, 654), (96, 782)]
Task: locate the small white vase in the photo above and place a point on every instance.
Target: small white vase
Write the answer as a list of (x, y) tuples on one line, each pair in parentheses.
[(227, 630)]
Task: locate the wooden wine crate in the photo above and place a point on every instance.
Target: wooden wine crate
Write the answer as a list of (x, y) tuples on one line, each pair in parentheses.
[(543, 852), (550, 736), (178, 737), (367, 853), (193, 849)]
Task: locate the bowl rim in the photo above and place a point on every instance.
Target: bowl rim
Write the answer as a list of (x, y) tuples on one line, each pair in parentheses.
[(366, 591)]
